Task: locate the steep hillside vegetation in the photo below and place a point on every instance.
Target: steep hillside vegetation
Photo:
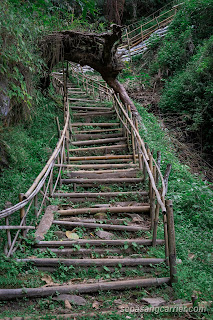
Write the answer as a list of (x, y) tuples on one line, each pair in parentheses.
[(182, 64)]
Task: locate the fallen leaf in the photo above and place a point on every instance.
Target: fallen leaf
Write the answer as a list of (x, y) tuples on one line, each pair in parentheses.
[(67, 304), (49, 281), (71, 235), (95, 305)]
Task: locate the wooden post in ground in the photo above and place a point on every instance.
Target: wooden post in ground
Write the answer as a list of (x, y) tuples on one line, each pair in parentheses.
[(171, 240), (140, 160), (129, 53), (132, 137), (9, 242), (22, 211), (36, 205), (151, 191)]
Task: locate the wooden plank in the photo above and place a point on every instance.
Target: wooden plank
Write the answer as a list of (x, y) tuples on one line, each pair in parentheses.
[(97, 130), (102, 181), (45, 222)]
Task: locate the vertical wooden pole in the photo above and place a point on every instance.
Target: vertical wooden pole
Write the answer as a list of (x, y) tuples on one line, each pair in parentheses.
[(132, 137), (139, 150), (129, 53), (166, 238), (155, 227), (151, 192), (171, 240), (9, 242), (22, 212), (36, 205)]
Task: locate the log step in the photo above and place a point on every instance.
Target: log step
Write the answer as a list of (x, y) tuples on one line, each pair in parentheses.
[(97, 130), (98, 166), (95, 124), (84, 136), (93, 114), (86, 195), (105, 157), (107, 149), (98, 141), (120, 242), (104, 226), (102, 181), (128, 209), (93, 262), (103, 175), (7, 294), (91, 108)]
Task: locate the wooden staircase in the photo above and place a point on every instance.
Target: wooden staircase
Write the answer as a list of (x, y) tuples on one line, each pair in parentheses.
[(104, 199)]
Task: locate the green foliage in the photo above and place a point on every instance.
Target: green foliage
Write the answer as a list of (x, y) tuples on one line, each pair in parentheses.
[(190, 93)]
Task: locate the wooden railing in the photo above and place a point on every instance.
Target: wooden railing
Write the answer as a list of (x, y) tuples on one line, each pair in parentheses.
[(133, 36), (141, 155), (35, 199)]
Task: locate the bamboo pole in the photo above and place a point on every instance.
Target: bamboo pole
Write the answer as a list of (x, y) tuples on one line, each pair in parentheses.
[(9, 242), (69, 225), (132, 137), (7, 294), (36, 206), (127, 209), (171, 238)]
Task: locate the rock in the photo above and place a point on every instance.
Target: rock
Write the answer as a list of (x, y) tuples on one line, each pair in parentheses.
[(104, 235), (79, 301), (118, 301), (100, 215), (179, 301), (154, 302)]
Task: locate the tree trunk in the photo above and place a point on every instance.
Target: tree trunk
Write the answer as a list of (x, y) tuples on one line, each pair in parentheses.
[(99, 51)]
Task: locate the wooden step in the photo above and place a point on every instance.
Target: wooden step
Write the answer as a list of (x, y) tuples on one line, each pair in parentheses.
[(98, 141), (103, 175), (7, 294), (71, 225), (105, 157), (98, 166), (86, 195), (81, 100), (93, 262), (93, 114), (129, 209), (91, 108), (92, 131), (102, 181), (83, 137), (105, 149), (95, 124), (101, 242)]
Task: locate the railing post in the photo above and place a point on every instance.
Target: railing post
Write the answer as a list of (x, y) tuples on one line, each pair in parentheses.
[(9, 242), (129, 53), (132, 136), (171, 240), (151, 192), (36, 205), (22, 211)]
